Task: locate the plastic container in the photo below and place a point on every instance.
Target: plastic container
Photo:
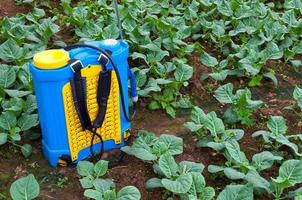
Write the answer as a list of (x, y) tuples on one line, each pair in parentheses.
[(51, 74)]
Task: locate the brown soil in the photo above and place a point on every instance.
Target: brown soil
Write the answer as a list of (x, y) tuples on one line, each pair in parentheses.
[(9, 8)]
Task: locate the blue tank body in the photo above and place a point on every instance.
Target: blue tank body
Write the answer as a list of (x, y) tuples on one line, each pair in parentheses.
[(48, 86)]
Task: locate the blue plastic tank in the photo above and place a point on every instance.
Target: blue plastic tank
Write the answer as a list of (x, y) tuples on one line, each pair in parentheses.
[(50, 72)]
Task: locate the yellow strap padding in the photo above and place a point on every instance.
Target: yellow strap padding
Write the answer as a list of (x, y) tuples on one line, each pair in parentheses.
[(111, 129)]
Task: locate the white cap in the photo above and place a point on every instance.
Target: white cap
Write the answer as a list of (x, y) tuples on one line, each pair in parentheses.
[(110, 42)]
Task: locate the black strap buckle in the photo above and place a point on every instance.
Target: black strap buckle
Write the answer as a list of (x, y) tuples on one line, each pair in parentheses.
[(76, 65), (104, 60)]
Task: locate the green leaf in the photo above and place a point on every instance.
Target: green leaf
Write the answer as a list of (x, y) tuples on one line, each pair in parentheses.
[(110, 32), (236, 192), (31, 104), (87, 182), (214, 124), (298, 96), (8, 120), (25, 122), (85, 168), (208, 60), (254, 178), (10, 51), (215, 169), (25, 188), (233, 149), (128, 193), (179, 186), (277, 125), (140, 153), (17, 93), (93, 194), (264, 160), (167, 165), (13, 104), (26, 150), (7, 76), (100, 168), (233, 174), (191, 166), (207, 193), (3, 138), (290, 173), (174, 144), (154, 183), (183, 72), (224, 94), (103, 185)]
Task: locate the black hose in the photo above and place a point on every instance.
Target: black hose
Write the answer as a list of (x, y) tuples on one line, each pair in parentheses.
[(94, 133), (119, 24)]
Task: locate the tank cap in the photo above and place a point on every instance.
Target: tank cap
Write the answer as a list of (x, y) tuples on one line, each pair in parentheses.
[(51, 59), (110, 42)]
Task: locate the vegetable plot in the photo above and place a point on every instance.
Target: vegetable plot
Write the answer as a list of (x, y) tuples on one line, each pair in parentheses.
[(223, 76)]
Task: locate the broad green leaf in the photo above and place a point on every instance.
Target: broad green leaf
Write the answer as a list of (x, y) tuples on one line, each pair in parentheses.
[(283, 140), (87, 182), (192, 126), (290, 173), (198, 183), (198, 115), (298, 96), (254, 178), (7, 120), (13, 104), (215, 169), (277, 125), (167, 165), (179, 186), (25, 188), (128, 193), (26, 150), (85, 168), (10, 51), (208, 60), (224, 94), (110, 32), (233, 174), (31, 104), (93, 194), (100, 168), (264, 160), (3, 138), (154, 183), (140, 153), (207, 193), (103, 185), (26, 121), (17, 93), (174, 144), (7, 76), (233, 149), (236, 192), (214, 124), (183, 73), (191, 166)]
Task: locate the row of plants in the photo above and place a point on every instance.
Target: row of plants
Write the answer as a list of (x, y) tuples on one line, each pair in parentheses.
[(163, 36), (21, 37)]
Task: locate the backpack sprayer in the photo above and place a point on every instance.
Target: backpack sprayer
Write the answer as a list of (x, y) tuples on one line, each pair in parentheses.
[(82, 97)]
